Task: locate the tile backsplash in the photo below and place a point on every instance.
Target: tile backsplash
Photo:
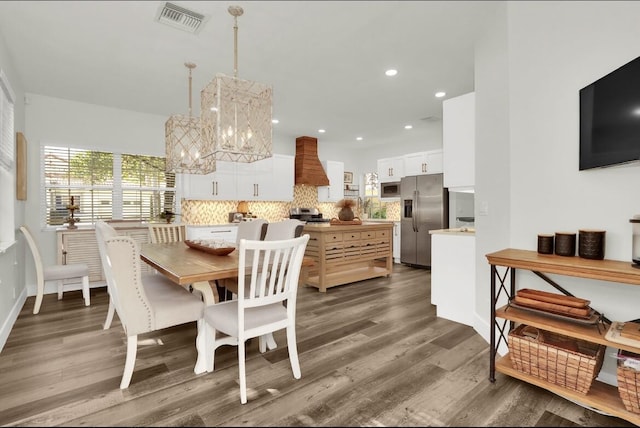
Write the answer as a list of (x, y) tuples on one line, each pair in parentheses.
[(217, 212)]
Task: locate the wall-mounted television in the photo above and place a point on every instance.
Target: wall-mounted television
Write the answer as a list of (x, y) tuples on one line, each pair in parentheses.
[(610, 118)]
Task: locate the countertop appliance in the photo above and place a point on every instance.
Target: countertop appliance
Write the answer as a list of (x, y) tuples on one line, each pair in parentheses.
[(310, 215), (424, 207)]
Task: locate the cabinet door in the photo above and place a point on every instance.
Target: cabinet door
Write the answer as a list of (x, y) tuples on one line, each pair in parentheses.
[(423, 163), (396, 241), (458, 141), (415, 163), (219, 185), (251, 176), (390, 169), (433, 162), (335, 190), (282, 177)]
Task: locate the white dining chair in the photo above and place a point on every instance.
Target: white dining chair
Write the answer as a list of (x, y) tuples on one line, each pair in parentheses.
[(145, 303), (58, 273), (272, 270), (167, 233)]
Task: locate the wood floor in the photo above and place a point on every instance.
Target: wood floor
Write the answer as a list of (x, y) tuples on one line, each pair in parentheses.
[(372, 353)]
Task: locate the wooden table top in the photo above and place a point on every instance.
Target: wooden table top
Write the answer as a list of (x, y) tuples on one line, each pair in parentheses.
[(184, 265), (605, 270)]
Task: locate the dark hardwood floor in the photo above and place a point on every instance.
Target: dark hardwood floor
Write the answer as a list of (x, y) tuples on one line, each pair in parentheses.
[(372, 353)]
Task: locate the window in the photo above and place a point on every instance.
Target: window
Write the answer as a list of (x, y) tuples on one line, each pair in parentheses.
[(104, 185), (7, 160), (373, 206)]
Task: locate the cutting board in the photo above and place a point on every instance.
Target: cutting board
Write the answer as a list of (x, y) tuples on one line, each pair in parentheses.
[(631, 330)]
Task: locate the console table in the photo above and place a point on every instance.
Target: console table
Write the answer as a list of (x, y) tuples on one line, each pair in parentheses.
[(601, 396)]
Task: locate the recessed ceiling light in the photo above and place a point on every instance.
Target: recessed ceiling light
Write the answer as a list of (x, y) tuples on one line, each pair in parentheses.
[(275, 121), (359, 138), (440, 94), (391, 72), (322, 131), (408, 126)]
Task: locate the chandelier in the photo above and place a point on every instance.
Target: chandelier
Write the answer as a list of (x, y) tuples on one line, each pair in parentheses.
[(236, 114), (184, 143)]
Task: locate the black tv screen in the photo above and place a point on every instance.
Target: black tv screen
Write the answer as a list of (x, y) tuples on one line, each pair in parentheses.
[(610, 118)]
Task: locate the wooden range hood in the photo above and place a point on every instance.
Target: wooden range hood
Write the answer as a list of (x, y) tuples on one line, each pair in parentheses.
[(308, 169)]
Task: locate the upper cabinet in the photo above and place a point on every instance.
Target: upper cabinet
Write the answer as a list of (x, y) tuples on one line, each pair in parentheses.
[(219, 185), (390, 169), (335, 190), (270, 179), (422, 163), (458, 141)]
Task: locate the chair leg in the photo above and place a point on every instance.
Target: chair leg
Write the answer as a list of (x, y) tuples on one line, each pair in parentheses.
[(132, 349), (85, 291), (59, 289), (110, 313), (293, 351), (210, 346), (241, 372), (39, 295)]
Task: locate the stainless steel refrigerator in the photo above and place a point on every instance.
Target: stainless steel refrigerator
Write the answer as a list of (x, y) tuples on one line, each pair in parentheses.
[(424, 205)]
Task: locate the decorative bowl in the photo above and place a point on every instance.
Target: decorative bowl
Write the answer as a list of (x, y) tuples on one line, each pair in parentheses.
[(211, 246)]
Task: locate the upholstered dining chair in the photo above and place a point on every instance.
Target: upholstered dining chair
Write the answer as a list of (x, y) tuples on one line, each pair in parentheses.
[(167, 233), (271, 270), (145, 303), (285, 229), (58, 273)]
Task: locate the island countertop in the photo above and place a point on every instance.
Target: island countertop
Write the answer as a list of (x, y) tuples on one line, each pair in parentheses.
[(331, 228)]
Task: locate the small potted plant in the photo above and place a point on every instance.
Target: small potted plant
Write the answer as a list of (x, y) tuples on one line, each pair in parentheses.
[(167, 215)]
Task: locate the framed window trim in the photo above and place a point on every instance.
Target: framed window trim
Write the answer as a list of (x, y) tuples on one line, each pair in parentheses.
[(7, 164), (111, 192)]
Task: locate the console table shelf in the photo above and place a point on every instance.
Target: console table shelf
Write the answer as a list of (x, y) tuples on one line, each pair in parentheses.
[(601, 396)]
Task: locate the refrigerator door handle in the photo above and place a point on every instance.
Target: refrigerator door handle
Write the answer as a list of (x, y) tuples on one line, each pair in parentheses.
[(414, 209)]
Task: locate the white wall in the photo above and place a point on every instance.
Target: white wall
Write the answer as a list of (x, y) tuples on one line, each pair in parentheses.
[(529, 69), (12, 288), (58, 121)]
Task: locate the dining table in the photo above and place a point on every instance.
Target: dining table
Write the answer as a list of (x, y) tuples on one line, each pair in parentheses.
[(190, 266)]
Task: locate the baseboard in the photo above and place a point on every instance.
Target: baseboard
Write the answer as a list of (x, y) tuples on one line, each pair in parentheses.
[(11, 319)]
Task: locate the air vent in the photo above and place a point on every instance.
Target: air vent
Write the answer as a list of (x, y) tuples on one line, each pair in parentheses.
[(180, 17)]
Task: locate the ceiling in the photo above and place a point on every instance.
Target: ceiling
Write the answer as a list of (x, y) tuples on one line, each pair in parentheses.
[(325, 59)]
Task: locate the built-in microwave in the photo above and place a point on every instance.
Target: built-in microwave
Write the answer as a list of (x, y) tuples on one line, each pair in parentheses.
[(390, 189)]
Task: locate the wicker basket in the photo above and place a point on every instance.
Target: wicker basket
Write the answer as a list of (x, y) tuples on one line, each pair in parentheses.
[(561, 360), (628, 383)]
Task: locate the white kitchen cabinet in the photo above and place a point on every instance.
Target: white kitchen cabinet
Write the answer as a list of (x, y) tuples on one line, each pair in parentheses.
[(422, 163), (396, 242), (453, 275), (253, 179), (270, 179), (335, 190), (458, 141), (227, 232), (390, 169), (278, 184), (219, 185)]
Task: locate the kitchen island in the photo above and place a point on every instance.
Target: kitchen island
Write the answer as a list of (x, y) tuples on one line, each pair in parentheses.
[(348, 253)]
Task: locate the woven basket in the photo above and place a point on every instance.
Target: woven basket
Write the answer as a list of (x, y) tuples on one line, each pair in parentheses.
[(561, 360), (628, 384)]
